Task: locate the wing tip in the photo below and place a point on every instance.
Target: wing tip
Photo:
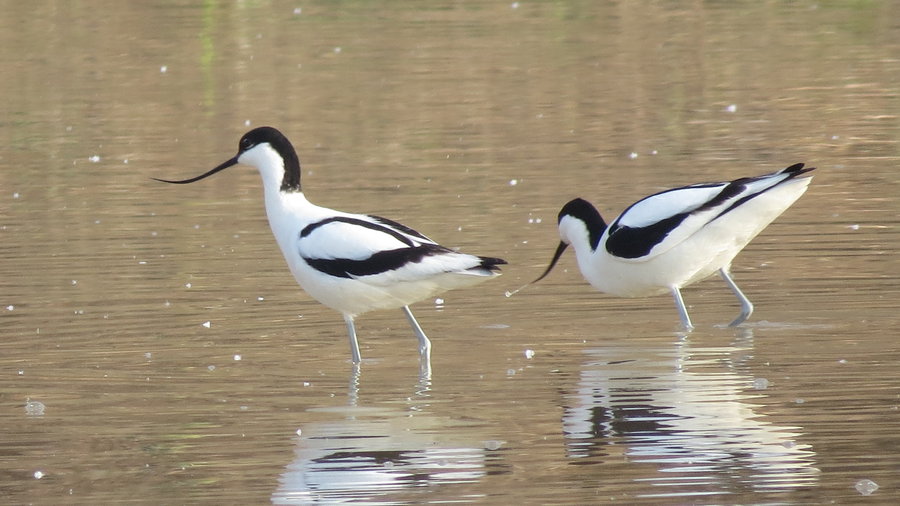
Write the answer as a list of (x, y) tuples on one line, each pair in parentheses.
[(797, 169), (490, 265)]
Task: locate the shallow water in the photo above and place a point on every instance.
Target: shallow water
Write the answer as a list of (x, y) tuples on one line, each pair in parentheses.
[(155, 348)]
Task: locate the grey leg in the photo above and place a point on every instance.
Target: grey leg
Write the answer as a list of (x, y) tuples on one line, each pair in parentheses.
[(682, 310), (353, 387), (354, 344), (746, 305), (424, 344)]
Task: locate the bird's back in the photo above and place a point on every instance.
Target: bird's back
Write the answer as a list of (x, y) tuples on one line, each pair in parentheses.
[(702, 242)]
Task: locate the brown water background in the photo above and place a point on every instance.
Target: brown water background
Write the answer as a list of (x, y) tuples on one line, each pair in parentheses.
[(472, 122)]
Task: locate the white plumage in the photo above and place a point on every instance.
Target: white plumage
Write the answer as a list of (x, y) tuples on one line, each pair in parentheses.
[(352, 263), (671, 239)]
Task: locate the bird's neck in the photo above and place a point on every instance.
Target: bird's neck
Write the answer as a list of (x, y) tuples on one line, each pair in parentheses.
[(287, 204), (280, 171), (583, 236), (287, 212)]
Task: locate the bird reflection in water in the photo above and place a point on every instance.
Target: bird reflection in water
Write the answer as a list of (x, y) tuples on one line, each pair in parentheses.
[(380, 453), (687, 411)]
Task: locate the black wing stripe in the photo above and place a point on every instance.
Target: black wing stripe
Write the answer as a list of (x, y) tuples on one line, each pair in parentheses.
[(793, 171), (382, 261), (361, 223), (629, 242), (401, 227)]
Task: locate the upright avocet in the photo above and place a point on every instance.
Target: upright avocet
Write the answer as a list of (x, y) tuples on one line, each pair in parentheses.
[(671, 239), (352, 263)]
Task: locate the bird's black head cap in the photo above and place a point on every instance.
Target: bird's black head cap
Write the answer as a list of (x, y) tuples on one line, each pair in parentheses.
[(281, 144)]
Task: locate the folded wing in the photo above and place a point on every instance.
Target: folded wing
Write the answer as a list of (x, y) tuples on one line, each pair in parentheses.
[(661, 221), (380, 251)]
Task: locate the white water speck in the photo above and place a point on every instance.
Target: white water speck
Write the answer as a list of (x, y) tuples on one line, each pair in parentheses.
[(38, 475), (247, 122), (210, 368), (439, 302), (16, 195), (731, 108), (529, 354), (260, 299), (632, 155), (34, 408), (237, 357), (493, 445), (207, 324), (299, 432), (187, 285), (760, 384), (337, 50), (94, 158), (74, 282), (163, 69), (10, 307), (148, 355), (855, 226), (513, 182), (865, 487), (298, 11)]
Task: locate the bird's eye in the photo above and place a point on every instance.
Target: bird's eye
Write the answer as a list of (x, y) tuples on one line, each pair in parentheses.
[(246, 144)]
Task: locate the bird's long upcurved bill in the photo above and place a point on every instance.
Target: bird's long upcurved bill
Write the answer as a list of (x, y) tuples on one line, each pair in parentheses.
[(559, 251), (224, 166)]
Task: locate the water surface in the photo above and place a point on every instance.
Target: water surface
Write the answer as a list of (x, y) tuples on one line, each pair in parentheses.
[(155, 348)]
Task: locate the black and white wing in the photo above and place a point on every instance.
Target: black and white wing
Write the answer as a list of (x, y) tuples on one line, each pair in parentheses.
[(380, 251), (655, 224)]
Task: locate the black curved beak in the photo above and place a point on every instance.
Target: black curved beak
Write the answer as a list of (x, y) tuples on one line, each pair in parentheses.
[(559, 251), (224, 166)]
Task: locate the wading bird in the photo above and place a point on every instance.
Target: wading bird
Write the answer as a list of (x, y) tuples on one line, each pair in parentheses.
[(352, 263), (671, 239)]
